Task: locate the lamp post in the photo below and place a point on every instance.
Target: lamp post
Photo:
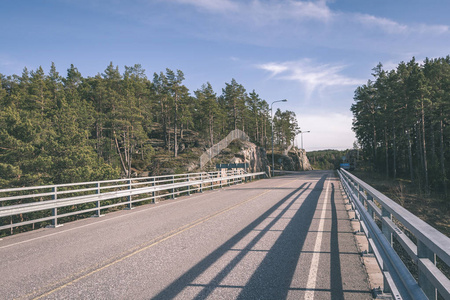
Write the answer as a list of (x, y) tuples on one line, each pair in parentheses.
[(271, 112), (301, 135)]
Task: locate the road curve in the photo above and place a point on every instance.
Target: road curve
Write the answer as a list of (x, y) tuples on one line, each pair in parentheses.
[(287, 237)]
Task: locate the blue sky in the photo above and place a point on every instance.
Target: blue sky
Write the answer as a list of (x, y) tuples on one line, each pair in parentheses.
[(313, 53)]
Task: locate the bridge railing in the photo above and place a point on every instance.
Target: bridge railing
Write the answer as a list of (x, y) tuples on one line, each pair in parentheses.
[(382, 220), (32, 205)]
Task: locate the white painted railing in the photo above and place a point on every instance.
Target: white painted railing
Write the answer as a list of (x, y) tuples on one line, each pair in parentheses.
[(425, 247), (32, 205)]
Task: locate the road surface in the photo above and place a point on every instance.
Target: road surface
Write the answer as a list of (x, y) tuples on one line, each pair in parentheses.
[(283, 238)]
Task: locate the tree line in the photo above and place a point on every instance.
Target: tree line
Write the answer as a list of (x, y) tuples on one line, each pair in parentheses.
[(57, 129), (326, 159), (401, 120)]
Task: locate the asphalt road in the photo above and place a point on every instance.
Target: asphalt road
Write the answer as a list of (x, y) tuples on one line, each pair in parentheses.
[(283, 238)]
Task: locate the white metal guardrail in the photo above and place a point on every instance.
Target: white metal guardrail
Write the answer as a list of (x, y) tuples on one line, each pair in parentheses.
[(31, 205), (425, 247)]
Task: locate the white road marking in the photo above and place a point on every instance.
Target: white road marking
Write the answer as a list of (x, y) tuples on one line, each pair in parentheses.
[(312, 277)]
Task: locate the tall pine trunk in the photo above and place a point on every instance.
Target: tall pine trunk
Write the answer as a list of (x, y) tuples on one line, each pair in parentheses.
[(444, 176), (386, 149), (394, 152), (164, 123), (122, 162), (411, 171), (374, 147), (425, 164), (175, 130)]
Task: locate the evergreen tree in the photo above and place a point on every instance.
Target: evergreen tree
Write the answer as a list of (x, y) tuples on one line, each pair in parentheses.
[(402, 116), (207, 110), (233, 101)]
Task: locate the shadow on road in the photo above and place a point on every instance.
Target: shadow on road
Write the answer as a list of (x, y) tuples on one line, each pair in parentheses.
[(335, 265), (273, 277)]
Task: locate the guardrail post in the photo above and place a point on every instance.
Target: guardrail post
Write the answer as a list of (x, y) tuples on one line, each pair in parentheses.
[(98, 201), (384, 227), (189, 186), (55, 209), (424, 252), (354, 186), (351, 186), (212, 181), (173, 188), (388, 234), (129, 198), (361, 199), (360, 194), (369, 208), (372, 215), (154, 192), (201, 182)]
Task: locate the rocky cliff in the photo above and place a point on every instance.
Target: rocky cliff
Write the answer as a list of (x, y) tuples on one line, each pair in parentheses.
[(300, 159), (239, 151), (255, 156), (296, 160)]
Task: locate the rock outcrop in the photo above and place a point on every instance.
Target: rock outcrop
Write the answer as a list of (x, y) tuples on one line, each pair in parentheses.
[(300, 159), (240, 151), (296, 160), (255, 156)]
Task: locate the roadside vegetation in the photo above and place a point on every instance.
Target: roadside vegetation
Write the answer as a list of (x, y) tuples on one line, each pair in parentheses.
[(60, 129), (326, 159), (433, 209), (401, 120)]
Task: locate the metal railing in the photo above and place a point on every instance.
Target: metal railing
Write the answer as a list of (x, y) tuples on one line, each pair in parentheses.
[(215, 150), (423, 244), (31, 205)]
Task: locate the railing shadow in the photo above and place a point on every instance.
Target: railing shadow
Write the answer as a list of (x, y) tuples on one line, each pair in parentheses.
[(335, 265), (272, 278)]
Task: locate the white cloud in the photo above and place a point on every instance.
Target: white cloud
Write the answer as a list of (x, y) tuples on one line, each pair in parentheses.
[(266, 12), (392, 27), (295, 10), (261, 12), (212, 5), (274, 68), (432, 29), (312, 76), (386, 25)]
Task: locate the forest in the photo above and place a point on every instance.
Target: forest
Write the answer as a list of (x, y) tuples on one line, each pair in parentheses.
[(61, 129), (327, 159), (401, 120)]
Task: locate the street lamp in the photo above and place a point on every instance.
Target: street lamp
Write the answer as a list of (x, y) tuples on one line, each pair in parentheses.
[(301, 134), (271, 112)]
